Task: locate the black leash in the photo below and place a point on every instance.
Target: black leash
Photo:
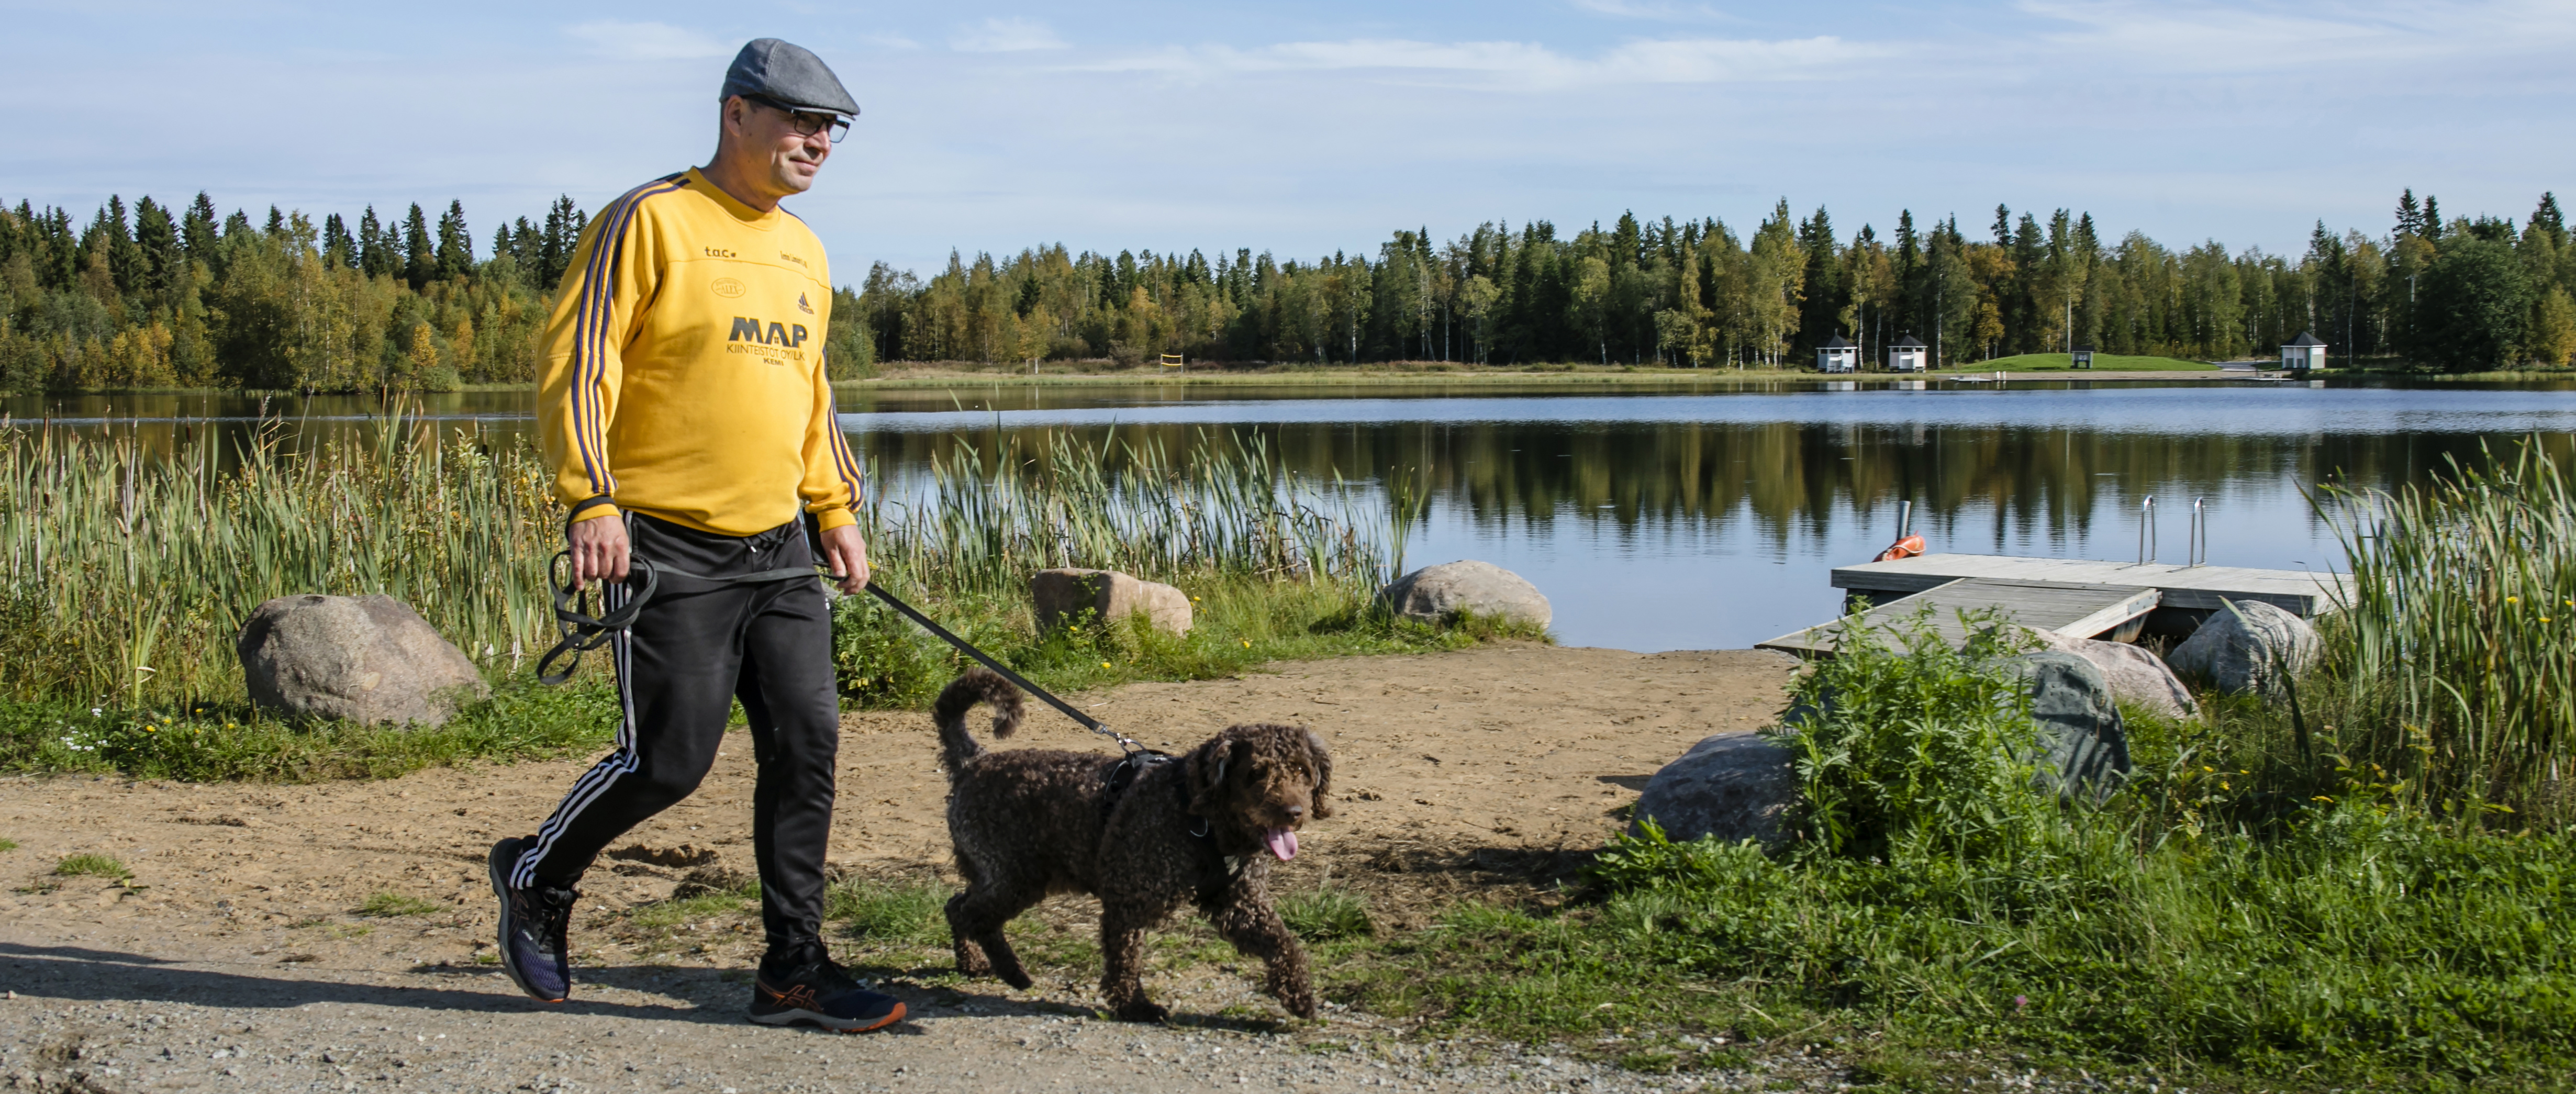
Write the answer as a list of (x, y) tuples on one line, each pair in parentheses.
[(1017, 680), (583, 631)]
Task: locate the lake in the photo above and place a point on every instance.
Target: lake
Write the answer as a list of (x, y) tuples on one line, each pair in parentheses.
[(1704, 516)]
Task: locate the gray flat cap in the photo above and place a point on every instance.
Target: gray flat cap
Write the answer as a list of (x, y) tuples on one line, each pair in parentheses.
[(789, 73)]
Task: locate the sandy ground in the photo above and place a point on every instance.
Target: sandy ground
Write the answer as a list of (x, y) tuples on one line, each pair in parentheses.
[(235, 959)]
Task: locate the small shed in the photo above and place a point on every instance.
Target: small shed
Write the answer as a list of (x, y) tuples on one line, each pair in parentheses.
[(1907, 355), (2083, 357), (1838, 355), (2304, 353)]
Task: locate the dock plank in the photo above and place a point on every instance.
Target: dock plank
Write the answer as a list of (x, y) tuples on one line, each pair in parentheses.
[(2074, 609), (2190, 587)]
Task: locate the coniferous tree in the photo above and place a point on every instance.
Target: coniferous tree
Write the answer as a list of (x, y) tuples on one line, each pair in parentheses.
[(2433, 226), (455, 254), (2410, 217), (111, 237), (156, 237), (379, 252), (337, 248), (2550, 220), (197, 232), (554, 251), (420, 256), (2472, 307)]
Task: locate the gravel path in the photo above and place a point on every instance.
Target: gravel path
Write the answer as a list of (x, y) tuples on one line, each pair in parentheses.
[(235, 959)]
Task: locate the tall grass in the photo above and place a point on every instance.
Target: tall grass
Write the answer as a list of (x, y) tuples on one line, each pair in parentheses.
[(1225, 508), (2350, 941), (2453, 669), (125, 575)]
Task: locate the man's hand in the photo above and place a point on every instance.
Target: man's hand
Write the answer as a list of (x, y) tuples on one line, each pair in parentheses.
[(598, 550), (847, 555)]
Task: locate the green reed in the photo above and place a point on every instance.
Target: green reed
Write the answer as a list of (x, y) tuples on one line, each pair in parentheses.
[(2454, 666), (1227, 508), (126, 574)]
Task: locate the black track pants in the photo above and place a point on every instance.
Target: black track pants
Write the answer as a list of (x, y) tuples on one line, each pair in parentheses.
[(768, 644)]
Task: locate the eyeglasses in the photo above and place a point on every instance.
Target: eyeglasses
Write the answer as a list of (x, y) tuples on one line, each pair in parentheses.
[(807, 122)]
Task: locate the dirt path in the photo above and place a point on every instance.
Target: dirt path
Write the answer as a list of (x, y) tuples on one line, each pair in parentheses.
[(235, 959)]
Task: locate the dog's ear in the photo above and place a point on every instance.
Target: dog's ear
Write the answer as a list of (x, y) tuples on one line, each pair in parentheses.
[(1208, 768), (1323, 765)]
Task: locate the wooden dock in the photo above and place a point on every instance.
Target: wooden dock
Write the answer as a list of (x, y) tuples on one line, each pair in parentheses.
[(2190, 588), (2072, 609), (2072, 597)]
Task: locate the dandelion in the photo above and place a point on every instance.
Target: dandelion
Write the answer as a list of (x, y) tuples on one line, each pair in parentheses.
[(2513, 600), (1247, 643), (1104, 664)]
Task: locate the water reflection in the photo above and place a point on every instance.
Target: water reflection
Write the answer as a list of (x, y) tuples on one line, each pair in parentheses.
[(1698, 518)]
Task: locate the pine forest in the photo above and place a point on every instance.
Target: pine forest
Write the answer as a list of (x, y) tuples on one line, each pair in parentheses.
[(162, 296)]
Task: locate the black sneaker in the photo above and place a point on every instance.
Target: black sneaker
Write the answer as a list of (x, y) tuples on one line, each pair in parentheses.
[(818, 993), (533, 924)]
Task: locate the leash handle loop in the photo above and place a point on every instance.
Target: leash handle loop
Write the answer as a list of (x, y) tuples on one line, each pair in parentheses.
[(582, 631)]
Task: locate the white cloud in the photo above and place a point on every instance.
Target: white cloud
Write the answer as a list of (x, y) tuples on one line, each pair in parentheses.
[(1528, 64), (2201, 37), (1005, 36), (646, 41), (1632, 9)]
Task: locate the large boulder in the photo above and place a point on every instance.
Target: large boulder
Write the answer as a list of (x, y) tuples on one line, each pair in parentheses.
[(1072, 595), (1735, 786), (2244, 646), (2135, 675), (2084, 748), (1436, 594), (364, 658)]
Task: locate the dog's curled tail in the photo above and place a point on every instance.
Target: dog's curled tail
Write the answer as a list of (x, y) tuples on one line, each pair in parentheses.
[(979, 685)]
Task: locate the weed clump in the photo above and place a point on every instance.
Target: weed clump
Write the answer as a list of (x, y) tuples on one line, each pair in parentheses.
[(92, 865), (1325, 915), (390, 905)]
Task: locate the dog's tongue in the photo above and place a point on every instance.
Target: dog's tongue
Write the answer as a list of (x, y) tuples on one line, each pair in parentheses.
[(1283, 842)]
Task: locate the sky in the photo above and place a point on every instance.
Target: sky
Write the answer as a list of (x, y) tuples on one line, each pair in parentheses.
[(1305, 129)]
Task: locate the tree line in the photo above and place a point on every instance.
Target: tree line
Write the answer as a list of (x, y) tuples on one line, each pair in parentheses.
[(171, 296), (157, 295), (2456, 295)]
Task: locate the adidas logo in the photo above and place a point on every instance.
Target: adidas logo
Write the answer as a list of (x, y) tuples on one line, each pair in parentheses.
[(802, 306)]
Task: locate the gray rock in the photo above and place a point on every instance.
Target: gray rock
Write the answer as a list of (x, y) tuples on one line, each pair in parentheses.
[(2245, 649), (1071, 594), (364, 658), (2085, 748), (2135, 675), (1436, 594), (1735, 786)]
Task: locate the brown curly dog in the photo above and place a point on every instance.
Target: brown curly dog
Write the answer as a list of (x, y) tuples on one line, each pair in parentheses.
[(1195, 829)]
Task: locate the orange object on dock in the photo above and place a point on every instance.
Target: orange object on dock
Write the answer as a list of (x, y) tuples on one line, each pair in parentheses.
[(1905, 548)]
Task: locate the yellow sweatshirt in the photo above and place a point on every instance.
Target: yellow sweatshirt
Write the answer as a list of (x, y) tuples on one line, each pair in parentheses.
[(684, 366)]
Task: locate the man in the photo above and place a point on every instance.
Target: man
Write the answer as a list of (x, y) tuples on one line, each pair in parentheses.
[(686, 412)]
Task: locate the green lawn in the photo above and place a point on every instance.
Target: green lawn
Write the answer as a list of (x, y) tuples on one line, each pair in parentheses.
[(2102, 362)]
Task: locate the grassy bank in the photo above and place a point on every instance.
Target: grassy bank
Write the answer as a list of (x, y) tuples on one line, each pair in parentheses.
[(2102, 362), (128, 575)]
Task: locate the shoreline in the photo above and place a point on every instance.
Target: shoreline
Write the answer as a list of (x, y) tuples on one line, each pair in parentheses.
[(1537, 378)]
